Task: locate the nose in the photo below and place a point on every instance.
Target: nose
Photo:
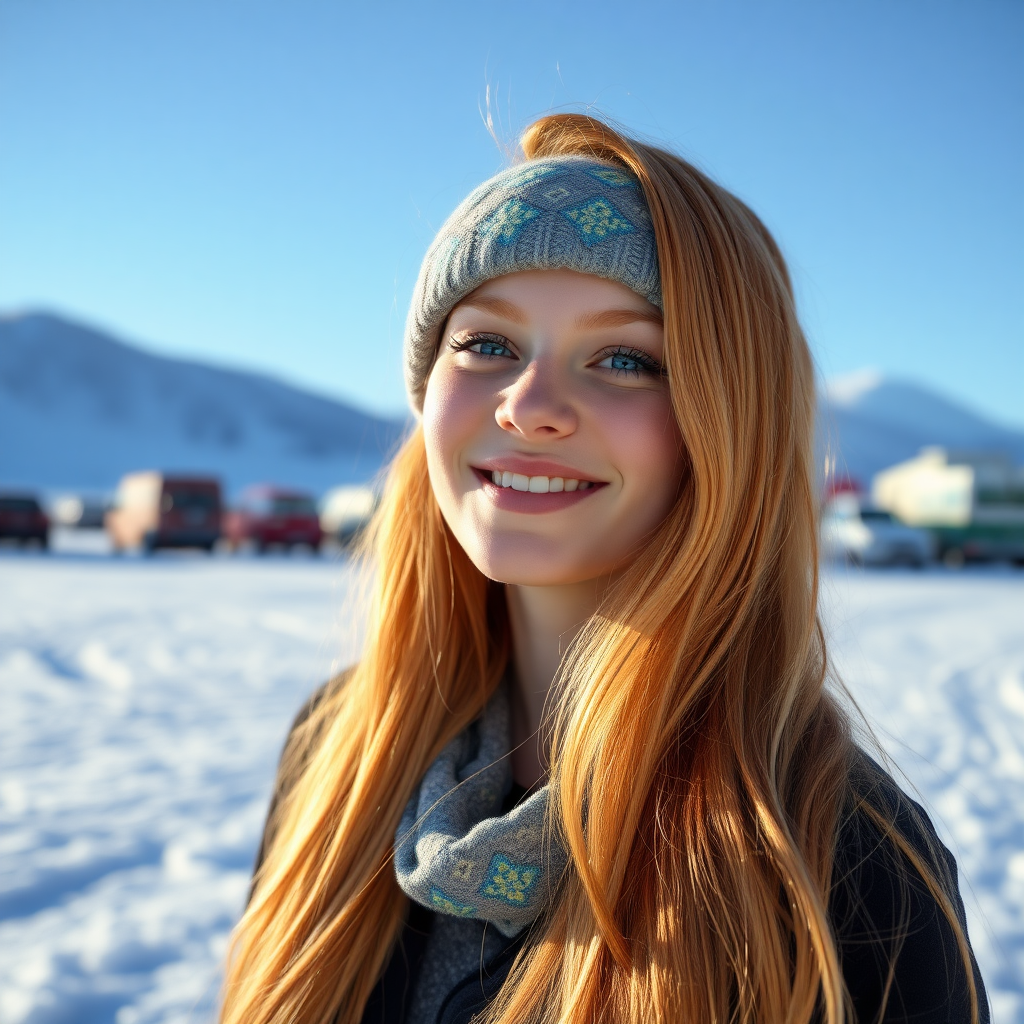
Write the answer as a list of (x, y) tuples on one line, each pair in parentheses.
[(536, 407)]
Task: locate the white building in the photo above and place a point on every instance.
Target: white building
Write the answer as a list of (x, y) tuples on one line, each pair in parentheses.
[(972, 501)]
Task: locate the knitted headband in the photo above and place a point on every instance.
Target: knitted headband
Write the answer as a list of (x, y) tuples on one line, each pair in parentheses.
[(557, 213)]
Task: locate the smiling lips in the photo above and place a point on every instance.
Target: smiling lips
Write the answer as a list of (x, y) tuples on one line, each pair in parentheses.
[(532, 492), (537, 484)]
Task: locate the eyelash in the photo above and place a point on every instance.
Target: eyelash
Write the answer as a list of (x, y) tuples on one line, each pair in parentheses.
[(647, 363), (464, 344)]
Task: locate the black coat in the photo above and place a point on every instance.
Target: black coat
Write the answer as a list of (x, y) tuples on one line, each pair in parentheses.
[(880, 909)]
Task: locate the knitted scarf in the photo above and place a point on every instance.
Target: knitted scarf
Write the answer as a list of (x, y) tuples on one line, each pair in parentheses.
[(456, 853)]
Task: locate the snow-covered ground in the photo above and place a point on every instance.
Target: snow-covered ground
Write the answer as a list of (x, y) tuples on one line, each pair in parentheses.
[(143, 702), (935, 660)]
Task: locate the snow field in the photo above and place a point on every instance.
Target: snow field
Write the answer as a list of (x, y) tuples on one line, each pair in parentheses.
[(936, 662), (144, 703)]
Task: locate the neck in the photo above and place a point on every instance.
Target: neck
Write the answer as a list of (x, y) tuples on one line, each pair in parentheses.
[(544, 621)]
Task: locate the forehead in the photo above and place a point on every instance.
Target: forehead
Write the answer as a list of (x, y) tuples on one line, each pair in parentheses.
[(527, 295)]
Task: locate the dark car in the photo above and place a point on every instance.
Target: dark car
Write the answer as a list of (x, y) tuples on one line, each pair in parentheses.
[(273, 517), (156, 510), (23, 520)]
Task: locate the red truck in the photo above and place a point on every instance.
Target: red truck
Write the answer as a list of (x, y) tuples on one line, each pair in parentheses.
[(23, 520), (269, 516), (157, 510)]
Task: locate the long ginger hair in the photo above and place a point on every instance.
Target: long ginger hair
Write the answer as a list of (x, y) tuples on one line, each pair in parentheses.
[(700, 768)]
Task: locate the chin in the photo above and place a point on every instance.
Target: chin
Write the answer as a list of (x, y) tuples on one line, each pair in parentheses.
[(539, 577), (533, 566)]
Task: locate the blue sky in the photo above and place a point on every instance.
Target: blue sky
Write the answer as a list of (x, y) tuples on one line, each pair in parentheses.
[(255, 183)]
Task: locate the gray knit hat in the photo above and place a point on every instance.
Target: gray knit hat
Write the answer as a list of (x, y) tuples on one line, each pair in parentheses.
[(557, 213)]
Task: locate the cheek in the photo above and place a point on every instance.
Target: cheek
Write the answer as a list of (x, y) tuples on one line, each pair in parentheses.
[(649, 450), (452, 417)]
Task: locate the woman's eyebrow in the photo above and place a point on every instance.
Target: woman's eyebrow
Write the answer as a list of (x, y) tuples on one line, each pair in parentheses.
[(617, 318), (500, 307)]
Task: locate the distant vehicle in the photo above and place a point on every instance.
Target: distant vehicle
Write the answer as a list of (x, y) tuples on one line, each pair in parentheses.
[(272, 516), (854, 529), (154, 510), (971, 502), (23, 520), (79, 511), (344, 511)]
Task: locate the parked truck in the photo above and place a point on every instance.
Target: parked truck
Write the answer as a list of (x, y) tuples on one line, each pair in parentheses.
[(972, 502), (156, 510)]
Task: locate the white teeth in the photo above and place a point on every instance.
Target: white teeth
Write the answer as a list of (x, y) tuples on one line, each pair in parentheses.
[(537, 484)]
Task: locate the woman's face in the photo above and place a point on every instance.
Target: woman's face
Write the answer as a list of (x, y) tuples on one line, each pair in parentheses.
[(551, 443)]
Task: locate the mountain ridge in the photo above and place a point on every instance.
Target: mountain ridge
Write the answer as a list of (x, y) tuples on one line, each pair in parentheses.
[(88, 407), (868, 422)]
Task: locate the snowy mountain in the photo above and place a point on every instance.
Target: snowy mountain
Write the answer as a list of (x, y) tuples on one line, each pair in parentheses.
[(79, 408), (867, 422)]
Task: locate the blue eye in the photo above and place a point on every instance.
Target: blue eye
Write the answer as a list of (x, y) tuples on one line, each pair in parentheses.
[(490, 348), (490, 345), (632, 362)]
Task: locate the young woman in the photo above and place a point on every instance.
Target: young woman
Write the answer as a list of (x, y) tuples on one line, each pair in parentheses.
[(587, 768)]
